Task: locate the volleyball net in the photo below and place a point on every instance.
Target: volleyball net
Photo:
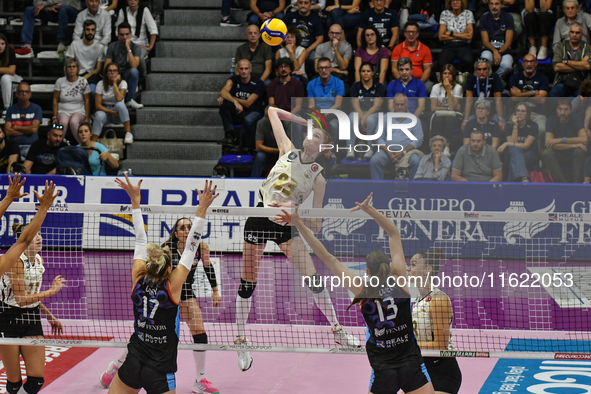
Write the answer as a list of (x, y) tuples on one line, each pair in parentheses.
[(509, 299)]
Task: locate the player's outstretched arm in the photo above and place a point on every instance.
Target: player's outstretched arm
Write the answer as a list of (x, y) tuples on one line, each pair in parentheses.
[(22, 243), (396, 252), (331, 262), (276, 115), (13, 193), (179, 274)]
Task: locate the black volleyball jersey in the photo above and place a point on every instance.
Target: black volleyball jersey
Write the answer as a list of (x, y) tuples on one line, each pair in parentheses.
[(391, 342), (156, 324), (176, 256)]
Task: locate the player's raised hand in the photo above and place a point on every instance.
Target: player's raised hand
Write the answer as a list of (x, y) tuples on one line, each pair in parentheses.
[(288, 217), (132, 190), (208, 194), (14, 188), (364, 205), (48, 196)]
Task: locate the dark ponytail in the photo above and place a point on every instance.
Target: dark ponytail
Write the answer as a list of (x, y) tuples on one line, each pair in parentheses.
[(378, 264)]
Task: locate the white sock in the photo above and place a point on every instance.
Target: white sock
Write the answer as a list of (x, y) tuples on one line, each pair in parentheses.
[(199, 356), (242, 312), (324, 303), (121, 358)]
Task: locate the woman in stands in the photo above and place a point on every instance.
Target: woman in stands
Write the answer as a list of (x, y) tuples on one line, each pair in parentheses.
[(21, 306), (71, 99), (97, 161), (156, 295), (190, 310), (7, 72), (372, 51), (432, 315), (290, 182), (391, 347), (110, 103), (446, 96), (291, 48)]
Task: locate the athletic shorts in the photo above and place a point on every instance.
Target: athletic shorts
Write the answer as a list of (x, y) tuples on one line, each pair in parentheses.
[(445, 373), (258, 231), (18, 322), (407, 378), (187, 290), (135, 374)]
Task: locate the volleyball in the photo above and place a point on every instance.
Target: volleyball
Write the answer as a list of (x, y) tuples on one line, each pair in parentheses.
[(273, 31)]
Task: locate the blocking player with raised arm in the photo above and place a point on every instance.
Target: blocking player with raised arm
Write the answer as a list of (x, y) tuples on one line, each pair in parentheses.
[(290, 182), (432, 315), (190, 310), (155, 294), (391, 347), (21, 307)]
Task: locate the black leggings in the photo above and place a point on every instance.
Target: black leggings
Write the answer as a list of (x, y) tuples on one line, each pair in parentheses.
[(538, 24)]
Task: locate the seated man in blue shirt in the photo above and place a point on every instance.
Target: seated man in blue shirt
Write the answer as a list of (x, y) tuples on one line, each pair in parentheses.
[(400, 151), (409, 87), (327, 92)]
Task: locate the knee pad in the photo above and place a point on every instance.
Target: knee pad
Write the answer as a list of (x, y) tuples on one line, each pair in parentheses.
[(200, 338), (13, 388), (33, 385), (246, 288), (315, 284)]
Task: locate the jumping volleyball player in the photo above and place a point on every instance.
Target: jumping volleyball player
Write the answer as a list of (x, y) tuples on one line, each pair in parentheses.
[(432, 315), (290, 182), (156, 292), (21, 307), (391, 347), (190, 310)]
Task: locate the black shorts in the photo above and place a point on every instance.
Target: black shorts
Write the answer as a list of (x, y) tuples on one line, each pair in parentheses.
[(187, 290), (135, 374), (258, 231), (18, 322), (445, 373), (407, 378)]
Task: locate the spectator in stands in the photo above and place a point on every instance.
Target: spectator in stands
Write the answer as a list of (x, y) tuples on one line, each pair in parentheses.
[(9, 153), (446, 96), (325, 92), (227, 19), (482, 122), (90, 56), (435, 166), (366, 99), (413, 49), (101, 17), (532, 85), (496, 31), (513, 8), (385, 22), (520, 152), (315, 5), (566, 144), (477, 161), (538, 23), (57, 11), (310, 27), (284, 88), (41, 156), (345, 13), (587, 171), (7, 71), (337, 50), (97, 161), (456, 30), (126, 54), (71, 99), (481, 85), (572, 14), (291, 49), (23, 119), (411, 87), (142, 24), (581, 106), (110, 104), (258, 53), (243, 103), (263, 10), (571, 62), (405, 161), (371, 51)]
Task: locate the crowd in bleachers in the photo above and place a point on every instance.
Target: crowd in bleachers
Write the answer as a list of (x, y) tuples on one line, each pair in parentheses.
[(480, 75), (105, 59)]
